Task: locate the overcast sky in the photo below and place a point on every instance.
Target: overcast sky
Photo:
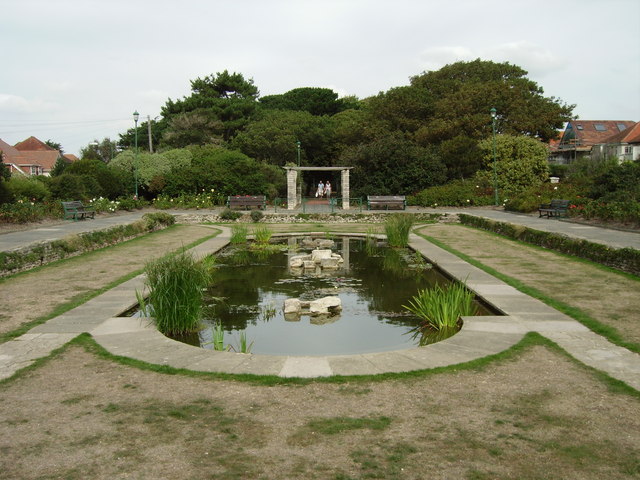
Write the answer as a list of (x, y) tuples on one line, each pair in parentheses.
[(75, 70)]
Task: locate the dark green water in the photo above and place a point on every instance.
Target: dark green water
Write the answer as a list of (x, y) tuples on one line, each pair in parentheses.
[(373, 284)]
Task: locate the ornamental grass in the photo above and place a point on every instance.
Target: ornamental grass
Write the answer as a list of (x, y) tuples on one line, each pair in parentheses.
[(177, 284)]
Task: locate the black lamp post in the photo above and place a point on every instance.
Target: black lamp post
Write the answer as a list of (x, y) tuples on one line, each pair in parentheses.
[(136, 115), (495, 171)]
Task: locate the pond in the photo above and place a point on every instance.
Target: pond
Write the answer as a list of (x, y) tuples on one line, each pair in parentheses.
[(372, 281)]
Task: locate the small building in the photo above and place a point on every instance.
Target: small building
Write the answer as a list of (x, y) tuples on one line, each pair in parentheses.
[(580, 136), (29, 157)]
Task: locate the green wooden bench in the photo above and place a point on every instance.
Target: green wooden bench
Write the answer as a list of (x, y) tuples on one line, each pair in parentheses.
[(77, 211), (247, 201), (386, 202), (557, 208)]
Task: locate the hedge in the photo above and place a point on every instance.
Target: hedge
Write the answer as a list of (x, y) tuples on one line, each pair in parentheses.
[(624, 259)]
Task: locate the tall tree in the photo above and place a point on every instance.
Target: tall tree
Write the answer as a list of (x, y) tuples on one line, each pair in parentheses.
[(316, 101), (227, 97), (273, 138), (103, 151), (465, 92)]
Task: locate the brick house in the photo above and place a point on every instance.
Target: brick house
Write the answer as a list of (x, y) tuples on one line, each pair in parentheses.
[(29, 157)]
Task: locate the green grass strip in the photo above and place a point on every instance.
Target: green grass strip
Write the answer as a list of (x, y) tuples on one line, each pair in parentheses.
[(610, 333)]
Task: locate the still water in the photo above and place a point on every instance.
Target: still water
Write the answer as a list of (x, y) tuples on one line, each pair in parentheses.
[(373, 283)]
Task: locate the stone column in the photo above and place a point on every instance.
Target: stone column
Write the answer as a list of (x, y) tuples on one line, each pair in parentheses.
[(345, 189), (292, 181)]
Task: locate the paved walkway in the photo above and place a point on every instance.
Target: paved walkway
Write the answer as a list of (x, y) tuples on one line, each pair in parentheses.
[(480, 336), (613, 238)]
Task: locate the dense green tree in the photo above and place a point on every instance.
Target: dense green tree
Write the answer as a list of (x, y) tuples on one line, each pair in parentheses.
[(462, 156), (354, 127), (54, 145), (464, 93), (226, 97), (273, 138), (59, 167), (103, 151), (226, 172), (151, 168), (127, 140), (107, 184), (5, 173), (521, 162), (316, 101), (620, 182), (402, 108), (392, 165), (198, 127)]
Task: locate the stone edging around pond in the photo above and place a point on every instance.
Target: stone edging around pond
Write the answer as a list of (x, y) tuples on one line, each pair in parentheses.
[(479, 337)]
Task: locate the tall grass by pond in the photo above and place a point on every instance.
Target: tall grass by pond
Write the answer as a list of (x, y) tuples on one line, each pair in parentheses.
[(239, 233), (397, 228), (441, 307), (177, 284), (262, 235)]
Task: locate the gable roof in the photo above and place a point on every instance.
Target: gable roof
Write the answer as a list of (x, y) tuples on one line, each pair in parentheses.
[(586, 133), (32, 144), (30, 153), (629, 135), (8, 149)]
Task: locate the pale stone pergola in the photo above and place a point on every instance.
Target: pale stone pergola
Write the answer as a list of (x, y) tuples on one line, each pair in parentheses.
[(294, 198)]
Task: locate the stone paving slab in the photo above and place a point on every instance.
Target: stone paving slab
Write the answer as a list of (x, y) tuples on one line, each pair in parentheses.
[(24, 350)]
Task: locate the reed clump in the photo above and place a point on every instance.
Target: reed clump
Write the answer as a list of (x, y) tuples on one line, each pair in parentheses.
[(177, 285), (397, 228), (441, 307)]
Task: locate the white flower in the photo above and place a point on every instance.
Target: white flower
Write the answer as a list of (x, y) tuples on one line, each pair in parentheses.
[(555, 188), (468, 200)]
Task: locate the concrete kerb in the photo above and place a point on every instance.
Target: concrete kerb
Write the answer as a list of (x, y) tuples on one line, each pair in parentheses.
[(479, 337)]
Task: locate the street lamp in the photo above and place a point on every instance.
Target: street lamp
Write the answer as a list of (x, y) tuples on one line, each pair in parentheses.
[(298, 145), (495, 172), (136, 115)]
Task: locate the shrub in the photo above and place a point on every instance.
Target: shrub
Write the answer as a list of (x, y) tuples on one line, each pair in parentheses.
[(176, 284), (231, 215), (29, 189), (458, 193), (256, 215), (530, 199)]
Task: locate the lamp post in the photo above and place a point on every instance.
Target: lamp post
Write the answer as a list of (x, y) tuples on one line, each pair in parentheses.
[(298, 146), (136, 115), (495, 172)]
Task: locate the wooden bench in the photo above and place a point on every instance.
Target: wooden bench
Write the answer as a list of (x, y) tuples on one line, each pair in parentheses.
[(557, 208), (247, 201), (77, 211), (386, 202)]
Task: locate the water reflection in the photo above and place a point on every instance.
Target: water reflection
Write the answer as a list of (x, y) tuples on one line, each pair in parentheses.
[(373, 282)]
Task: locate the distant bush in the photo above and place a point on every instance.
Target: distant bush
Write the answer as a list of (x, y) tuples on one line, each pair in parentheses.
[(230, 215), (454, 194), (28, 189), (531, 198), (256, 215)]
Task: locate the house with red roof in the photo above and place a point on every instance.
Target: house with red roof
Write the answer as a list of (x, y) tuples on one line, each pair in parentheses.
[(29, 157), (625, 146), (580, 136)]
